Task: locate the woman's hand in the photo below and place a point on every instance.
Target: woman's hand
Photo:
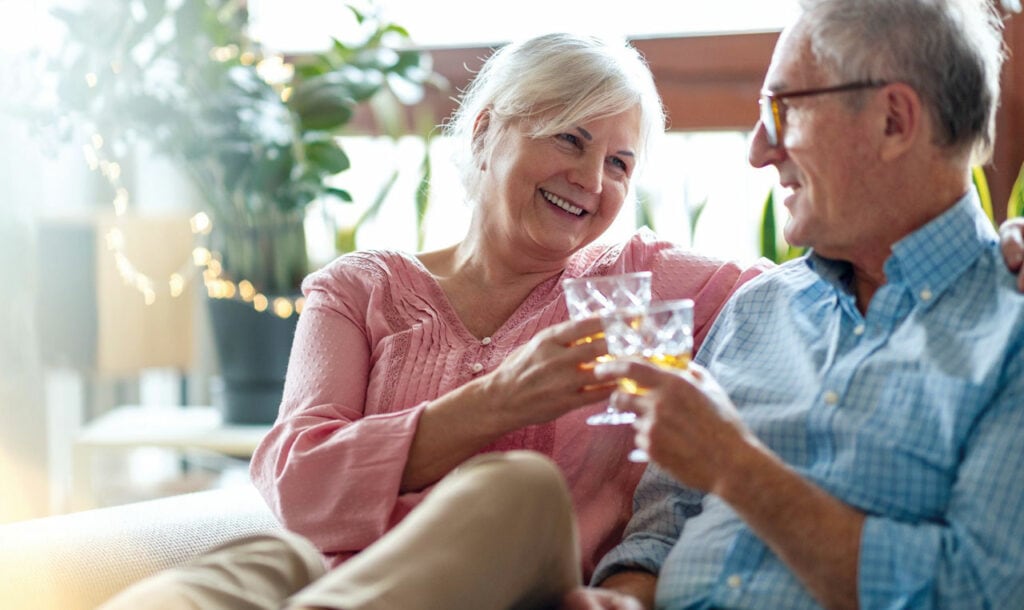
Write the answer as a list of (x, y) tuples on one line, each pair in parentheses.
[(1011, 238), (547, 377), (550, 375)]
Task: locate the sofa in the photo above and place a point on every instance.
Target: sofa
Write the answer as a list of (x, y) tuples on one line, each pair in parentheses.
[(78, 560)]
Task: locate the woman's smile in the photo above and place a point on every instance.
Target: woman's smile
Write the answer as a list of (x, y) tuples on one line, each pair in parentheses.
[(563, 204)]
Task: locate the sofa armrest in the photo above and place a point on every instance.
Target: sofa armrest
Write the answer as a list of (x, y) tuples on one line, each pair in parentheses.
[(81, 559)]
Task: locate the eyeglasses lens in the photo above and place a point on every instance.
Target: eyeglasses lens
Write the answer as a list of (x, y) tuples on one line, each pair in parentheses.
[(768, 119)]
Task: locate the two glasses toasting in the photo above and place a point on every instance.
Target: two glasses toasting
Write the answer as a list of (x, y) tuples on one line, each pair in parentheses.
[(634, 327)]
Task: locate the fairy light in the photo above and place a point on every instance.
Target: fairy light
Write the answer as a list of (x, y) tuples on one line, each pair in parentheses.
[(283, 307), (259, 302), (209, 262), (246, 290)]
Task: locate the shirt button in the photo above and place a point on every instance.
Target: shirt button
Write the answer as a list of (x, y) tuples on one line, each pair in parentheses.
[(858, 330), (831, 398), (485, 341), (477, 367), (926, 295), (734, 581)]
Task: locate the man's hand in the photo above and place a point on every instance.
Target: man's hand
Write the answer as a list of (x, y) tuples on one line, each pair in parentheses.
[(583, 598), (1011, 238), (686, 423)]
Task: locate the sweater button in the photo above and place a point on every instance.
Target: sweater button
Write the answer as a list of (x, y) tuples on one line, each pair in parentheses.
[(485, 341), (477, 367)]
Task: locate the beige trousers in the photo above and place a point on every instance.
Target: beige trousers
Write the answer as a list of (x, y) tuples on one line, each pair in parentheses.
[(497, 533)]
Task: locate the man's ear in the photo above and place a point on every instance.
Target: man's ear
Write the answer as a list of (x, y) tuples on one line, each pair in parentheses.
[(480, 127), (904, 120)]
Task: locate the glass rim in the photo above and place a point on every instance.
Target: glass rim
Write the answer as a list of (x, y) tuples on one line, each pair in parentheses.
[(574, 281), (654, 307)]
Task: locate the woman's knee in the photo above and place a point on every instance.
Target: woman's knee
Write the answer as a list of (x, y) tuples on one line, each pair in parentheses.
[(518, 477)]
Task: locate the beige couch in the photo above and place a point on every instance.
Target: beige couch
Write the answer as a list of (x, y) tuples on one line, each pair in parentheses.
[(76, 561)]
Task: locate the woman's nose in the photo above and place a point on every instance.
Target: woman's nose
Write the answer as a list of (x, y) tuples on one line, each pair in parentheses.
[(588, 173)]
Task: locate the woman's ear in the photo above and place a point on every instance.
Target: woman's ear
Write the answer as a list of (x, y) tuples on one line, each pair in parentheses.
[(904, 120), (480, 128)]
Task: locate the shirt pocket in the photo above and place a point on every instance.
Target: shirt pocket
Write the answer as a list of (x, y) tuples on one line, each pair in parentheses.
[(910, 442)]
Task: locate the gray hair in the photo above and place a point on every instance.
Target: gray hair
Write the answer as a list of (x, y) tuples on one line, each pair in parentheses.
[(949, 51), (550, 83)]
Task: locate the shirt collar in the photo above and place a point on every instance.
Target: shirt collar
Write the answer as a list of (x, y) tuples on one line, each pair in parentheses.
[(931, 258)]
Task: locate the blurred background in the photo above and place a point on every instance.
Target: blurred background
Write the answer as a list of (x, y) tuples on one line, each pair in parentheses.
[(171, 169)]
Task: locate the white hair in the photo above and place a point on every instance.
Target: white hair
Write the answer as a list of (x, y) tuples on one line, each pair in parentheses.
[(549, 83), (949, 51)]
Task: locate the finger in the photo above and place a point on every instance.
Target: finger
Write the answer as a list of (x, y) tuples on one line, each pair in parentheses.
[(645, 374), (588, 351), (573, 331), (624, 401), (1011, 238)]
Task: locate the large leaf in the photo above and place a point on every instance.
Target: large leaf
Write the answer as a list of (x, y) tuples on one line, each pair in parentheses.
[(323, 103)]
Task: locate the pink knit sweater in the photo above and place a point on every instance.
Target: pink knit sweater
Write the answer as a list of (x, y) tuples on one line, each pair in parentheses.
[(378, 339)]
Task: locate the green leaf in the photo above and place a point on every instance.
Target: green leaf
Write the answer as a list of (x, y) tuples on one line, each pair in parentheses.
[(695, 214), (322, 104), (1016, 205), (327, 157), (769, 247), (339, 193), (981, 184), (644, 215), (423, 196)]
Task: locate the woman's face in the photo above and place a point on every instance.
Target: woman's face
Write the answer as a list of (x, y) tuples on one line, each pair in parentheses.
[(550, 196)]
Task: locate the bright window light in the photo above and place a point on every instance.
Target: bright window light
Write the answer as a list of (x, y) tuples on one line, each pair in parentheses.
[(303, 25)]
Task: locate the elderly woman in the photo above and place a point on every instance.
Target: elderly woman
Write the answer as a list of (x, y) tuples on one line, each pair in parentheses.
[(406, 366)]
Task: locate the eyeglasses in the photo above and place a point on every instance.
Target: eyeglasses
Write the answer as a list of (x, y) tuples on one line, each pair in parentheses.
[(773, 110)]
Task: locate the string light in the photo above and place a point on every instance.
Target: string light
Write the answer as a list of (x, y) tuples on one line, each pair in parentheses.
[(273, 70), (217, 285)]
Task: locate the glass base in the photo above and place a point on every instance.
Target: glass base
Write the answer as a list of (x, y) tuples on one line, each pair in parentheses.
[(611, 417)]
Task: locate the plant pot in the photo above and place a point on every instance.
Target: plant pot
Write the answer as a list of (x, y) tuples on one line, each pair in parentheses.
[(252, 351)]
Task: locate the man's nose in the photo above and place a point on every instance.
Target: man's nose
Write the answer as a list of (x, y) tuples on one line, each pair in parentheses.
[(761, 153)]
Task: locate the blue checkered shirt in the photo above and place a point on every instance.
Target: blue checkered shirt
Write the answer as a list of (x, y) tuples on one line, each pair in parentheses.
[(913, 414)]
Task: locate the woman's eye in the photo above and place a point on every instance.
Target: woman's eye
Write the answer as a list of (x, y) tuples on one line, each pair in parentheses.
[(570, 138), (619, 163)]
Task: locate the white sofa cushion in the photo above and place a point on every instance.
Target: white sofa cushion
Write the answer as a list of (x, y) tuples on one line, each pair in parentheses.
[(78, 560)]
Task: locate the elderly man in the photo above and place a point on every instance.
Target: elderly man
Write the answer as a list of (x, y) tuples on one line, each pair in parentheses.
[(852, 435)]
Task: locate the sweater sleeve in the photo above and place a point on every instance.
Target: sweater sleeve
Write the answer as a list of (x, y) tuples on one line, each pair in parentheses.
[(328, 469)]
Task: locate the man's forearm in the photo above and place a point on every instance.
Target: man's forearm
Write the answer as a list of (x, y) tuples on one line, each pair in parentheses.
[(817, 535)]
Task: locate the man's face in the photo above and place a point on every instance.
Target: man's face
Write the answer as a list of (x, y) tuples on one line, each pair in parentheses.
[(823, 155)]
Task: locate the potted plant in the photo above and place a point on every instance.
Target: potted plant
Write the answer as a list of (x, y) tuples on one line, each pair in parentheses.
[(256, 135)]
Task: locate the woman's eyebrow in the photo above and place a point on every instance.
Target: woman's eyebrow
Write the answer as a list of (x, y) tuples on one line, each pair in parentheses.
[(587, 135)]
